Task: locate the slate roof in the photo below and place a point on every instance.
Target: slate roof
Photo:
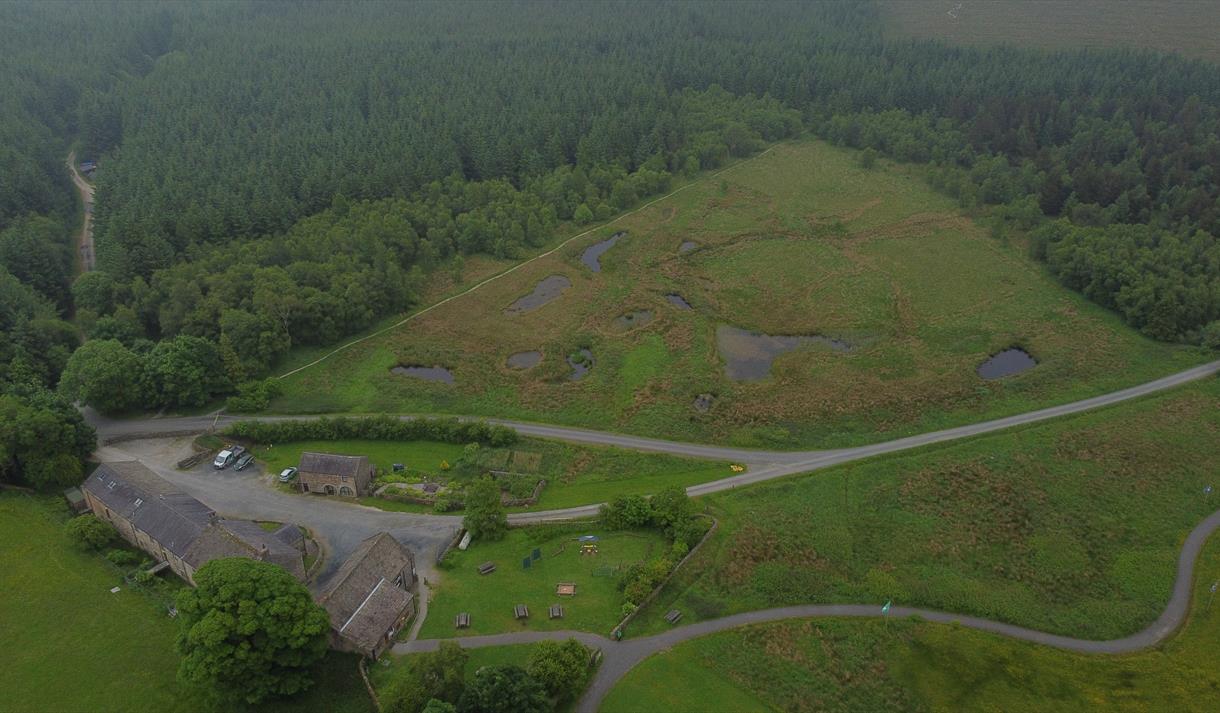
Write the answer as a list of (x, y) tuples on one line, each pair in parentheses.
[(330, 464), (244, 538), (182, 524), (362, 598), (169, 516)]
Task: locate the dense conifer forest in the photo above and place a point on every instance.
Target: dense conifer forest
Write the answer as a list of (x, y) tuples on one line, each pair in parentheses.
[(275, 174)]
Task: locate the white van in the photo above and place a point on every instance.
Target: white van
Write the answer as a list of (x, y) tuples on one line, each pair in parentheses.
[(223, 459), (226, 456)]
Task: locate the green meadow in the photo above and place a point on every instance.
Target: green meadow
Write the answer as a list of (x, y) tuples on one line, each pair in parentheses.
[(799, 241)]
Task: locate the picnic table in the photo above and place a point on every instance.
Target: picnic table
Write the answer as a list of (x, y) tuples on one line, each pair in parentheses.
[(556, 611), (487, 568), (521, 611), (462, 621), (673, 616)]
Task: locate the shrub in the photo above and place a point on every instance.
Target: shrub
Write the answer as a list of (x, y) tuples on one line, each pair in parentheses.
[(91, 533), (374, 428), (122, 558)]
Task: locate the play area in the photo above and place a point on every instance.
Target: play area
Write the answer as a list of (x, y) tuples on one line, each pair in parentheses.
[(536, 579)]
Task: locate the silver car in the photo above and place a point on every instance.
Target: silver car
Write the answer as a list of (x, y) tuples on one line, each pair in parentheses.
[(287, 474)]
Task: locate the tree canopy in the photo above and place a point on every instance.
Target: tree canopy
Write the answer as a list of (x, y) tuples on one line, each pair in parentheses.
[(249, 631)]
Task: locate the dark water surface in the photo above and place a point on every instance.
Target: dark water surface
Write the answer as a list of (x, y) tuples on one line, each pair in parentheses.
[(525, 360), (427, 373), (1006, 363), (592, 255), (544, 292), (580, 366), (748, 355), (677, 300)]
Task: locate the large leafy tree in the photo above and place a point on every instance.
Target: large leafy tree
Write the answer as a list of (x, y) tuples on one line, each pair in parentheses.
[(433, 676), (184, 371), (43, 439), (105, 375), (485, 518), (249, 631), (503, 689), (560, 666)]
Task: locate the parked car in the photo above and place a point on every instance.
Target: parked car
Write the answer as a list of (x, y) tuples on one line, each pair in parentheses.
[(287, 474), (226, 456), (245, 460)]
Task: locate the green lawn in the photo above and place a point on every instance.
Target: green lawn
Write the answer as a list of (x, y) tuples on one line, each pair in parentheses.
[(68, 644), (576, 475), (489, 599), (800, 241), (857, 665), (1071, 526)]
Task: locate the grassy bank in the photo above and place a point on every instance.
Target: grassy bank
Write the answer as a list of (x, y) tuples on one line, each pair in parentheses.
[(800, 241), (69, 644), (1071, 526), (855, 665)]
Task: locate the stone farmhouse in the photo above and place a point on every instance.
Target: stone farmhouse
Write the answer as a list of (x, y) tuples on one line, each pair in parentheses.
[(182, 533), (328, 474), (368, 599)]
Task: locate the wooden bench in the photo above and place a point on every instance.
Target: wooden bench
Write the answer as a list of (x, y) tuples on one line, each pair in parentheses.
[(521, 611), (556, 611), (487, 568), (674, 616), (462, 621)]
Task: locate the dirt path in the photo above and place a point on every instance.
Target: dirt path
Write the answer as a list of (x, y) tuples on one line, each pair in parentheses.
[(86, 261), (619, 657)]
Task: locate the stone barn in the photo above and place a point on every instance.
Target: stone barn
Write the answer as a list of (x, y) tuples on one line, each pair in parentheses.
[(369, 598), (329, 474)]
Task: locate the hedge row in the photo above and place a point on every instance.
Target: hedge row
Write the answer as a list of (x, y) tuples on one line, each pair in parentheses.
[(374, 428)]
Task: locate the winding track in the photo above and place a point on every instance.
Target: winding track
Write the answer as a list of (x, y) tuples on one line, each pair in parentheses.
[(763, 465), (619, 657)]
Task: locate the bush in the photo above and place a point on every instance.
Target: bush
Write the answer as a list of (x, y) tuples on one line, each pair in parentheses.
[(374, 428), (253, 396), (561, 667), (91, 533), (123, 558)]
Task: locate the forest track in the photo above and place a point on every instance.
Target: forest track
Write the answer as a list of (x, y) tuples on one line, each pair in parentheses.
[(86, 259)]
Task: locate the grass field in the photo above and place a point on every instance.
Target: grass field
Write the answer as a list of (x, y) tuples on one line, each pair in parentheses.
[(1071, 526), (68, 644), (858, 665), (576, 475), (489, 599), (1185, 26), (799, 241)]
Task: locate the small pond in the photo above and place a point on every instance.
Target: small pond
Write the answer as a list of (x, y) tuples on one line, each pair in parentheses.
[(703, 402), (592, 257), (426, 373), (1006, 363), (546, 290), (677, 300), (581, 362), (525, 360), (632, 320), (748, 355), (687, 246)]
